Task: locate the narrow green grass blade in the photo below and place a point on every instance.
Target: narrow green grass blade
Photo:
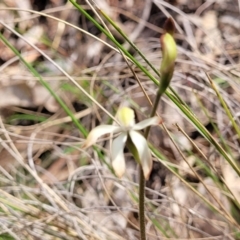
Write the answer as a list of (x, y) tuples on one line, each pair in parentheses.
[(58, 99), (159, 226), (25, 117), (206, 133), (226, 108), (46, 85), (222, 140), (175, 172), (119, 30), (103, 30)]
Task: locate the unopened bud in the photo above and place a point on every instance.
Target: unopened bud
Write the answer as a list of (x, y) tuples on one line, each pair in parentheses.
[(169, 54)]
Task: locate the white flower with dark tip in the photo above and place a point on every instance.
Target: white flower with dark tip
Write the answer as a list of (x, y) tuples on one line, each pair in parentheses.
[(128, 131)]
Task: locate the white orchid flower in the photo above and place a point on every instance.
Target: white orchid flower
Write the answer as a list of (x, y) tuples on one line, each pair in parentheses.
[(128, 130)]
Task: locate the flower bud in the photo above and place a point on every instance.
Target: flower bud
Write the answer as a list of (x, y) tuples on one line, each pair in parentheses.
[(169, 54)]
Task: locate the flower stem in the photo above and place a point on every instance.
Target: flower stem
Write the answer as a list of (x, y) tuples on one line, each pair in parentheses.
[(141, 204), (169, 53), (154, 109), (142, 179)]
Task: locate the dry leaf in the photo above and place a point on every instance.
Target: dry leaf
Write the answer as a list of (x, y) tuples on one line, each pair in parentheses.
[(16, 95)]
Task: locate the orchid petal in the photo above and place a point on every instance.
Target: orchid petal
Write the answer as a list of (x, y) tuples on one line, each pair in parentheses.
[(98, 132), (143, 152), (147, 122), (118, 161), (126, 117)]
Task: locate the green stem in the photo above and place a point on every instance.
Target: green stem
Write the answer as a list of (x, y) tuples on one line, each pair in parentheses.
[(154, 109), (142, 204), (141, 176)]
